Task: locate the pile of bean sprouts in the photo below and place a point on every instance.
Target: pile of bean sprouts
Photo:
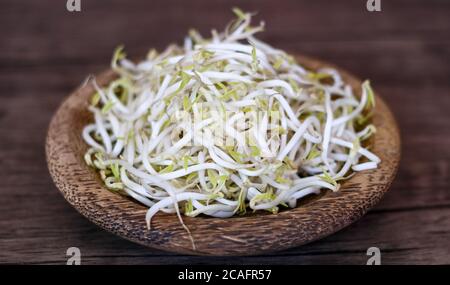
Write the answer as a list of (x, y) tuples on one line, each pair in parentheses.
[(224, 125)]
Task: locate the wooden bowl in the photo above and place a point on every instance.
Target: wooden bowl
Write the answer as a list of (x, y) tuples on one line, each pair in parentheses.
[(241, 235)]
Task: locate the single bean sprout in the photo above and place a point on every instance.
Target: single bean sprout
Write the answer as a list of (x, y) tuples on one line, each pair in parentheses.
[(226, 124)]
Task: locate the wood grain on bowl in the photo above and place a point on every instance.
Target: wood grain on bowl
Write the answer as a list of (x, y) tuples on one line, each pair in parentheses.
[(240, 235)]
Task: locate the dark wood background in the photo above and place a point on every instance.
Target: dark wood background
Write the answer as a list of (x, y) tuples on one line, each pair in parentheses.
[(46, 52)]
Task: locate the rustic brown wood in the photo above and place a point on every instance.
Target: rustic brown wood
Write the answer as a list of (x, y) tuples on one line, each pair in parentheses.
[(247, 235), (404, 50)]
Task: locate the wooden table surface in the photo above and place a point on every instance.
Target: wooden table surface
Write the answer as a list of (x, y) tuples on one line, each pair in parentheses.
[(46, 52)]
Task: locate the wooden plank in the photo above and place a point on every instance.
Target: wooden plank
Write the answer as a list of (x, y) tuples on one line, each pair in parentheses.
[(403, 50), (400, 242)]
